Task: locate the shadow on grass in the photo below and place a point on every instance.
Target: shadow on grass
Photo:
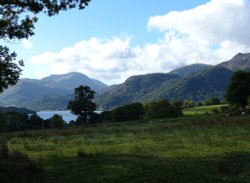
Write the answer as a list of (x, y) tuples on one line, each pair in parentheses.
[(104, 168)]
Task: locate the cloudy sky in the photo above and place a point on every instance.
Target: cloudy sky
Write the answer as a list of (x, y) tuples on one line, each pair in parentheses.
[(112, 40)]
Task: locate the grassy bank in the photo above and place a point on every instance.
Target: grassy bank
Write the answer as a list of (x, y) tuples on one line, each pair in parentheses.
[(186, 150)]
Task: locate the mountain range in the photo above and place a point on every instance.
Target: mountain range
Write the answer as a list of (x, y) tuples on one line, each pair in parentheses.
[(197, 82), (49, 93)]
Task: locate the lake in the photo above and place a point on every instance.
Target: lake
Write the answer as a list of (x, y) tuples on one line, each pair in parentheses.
[(66, 115)]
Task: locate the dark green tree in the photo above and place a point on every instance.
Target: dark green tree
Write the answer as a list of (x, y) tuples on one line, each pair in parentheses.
[(130, 112), (17, 19), (36, 122), (83, 105), (239, 89), (212, 101), (56, 121), (162, 109)]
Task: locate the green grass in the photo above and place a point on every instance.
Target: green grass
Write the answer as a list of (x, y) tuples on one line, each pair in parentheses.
[(187, 150), (202, 110)]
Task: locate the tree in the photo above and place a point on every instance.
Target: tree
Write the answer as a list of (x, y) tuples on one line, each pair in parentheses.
[(82, 105), (212, 101), (162, 109), (56, 121), (16, 24), (130, 112), (238, 90)]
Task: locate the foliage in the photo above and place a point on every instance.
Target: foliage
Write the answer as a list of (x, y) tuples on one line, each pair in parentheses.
[(56, 121), (130, 112), (212, 101), (14, 121), (82, 105), (16, 24), (239, 89), (188, 104), (162, 109), (9, 71), (196, 87)]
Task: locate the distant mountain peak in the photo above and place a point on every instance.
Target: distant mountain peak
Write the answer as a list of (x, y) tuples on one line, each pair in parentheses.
[(58, 77), (190, 69), (241, 61), (49, 92)]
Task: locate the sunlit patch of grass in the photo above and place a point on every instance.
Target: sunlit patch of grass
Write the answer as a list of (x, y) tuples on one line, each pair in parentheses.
[(202, 110)]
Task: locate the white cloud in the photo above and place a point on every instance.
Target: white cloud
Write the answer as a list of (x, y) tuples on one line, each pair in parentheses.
[(213, 22), (210, 33), (27, 43)]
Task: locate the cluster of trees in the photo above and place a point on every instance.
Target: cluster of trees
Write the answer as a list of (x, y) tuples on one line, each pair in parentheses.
[(137, 111), (83, 106), (211, 101), (14, 121)]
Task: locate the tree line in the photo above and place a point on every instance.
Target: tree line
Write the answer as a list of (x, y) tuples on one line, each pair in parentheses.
[(84, 107), (238, 95), (14, 121)]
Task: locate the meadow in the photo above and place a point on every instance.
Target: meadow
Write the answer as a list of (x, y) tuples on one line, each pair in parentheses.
[(190, 149)]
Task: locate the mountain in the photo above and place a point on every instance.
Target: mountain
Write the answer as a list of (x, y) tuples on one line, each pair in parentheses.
[(72, 80), (198, 86), (238, 62), (197, 82), (190, 69), (50, 93), (133, 89), (18, 110)]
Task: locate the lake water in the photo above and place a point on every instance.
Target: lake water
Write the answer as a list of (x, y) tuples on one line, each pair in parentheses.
[(66, 115)]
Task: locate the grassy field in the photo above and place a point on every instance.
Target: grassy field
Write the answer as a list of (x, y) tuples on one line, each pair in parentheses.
[(185, 150), (202, 110)]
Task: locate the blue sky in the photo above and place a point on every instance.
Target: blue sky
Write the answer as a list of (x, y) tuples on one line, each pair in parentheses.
[(112, 40)]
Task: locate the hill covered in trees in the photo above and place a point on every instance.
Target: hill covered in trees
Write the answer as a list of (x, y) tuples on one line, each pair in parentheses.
[(198, 87), (196, 82)]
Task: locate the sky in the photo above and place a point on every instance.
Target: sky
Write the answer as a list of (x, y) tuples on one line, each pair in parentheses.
[(112, 40)]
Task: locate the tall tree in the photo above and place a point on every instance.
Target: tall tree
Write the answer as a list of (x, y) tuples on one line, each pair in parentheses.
[(17, 19), (239, 89), (82, 105)]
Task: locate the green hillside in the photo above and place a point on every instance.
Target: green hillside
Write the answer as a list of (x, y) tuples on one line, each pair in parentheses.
[(198, 87), (189, 69)]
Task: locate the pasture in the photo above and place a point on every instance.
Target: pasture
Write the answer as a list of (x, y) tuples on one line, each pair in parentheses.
[(187, 150)]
